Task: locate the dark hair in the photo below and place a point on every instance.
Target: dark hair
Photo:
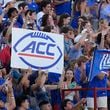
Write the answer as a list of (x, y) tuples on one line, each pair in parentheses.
[(22, 5), (44, 3), (61, 19), (81, 59), (30, 12), (65, 29), (45, 19), (68, 69), (21, 99), (10, 11), (43, 103), (48, 28), (4, 32), (64, 103), (77, 4)]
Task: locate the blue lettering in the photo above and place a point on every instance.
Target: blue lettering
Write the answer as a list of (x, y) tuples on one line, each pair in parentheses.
[(39, 48), (48, 47), (31, 47)]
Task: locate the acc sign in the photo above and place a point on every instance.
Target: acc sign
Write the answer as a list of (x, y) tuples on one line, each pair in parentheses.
[(37, 49)]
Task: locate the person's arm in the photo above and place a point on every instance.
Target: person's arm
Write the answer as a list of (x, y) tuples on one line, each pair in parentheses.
[(58, 2), (101, 75), (81, 41), (11, 104), (76, 106), (83, 74), (40, 81), (9, 31), (104, 32), (38, 1), (83, 8), (51, 87)]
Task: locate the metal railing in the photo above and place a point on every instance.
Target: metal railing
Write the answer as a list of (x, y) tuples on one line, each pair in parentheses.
[(86, 89)]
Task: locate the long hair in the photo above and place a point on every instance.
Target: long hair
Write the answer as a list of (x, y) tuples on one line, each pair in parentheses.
[(45, 19), (77, 4), (65, 79), (61, 19)]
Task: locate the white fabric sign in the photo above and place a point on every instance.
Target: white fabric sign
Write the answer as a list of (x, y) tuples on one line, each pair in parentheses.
[(38, 50)]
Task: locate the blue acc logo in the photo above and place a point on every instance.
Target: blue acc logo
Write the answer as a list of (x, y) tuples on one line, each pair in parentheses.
[(105, 62), (38, 50)]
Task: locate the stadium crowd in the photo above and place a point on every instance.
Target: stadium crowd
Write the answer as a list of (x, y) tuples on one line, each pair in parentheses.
[(85, 26)]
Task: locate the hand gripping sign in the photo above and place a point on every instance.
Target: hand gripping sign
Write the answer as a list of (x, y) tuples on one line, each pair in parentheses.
[(37, 49)]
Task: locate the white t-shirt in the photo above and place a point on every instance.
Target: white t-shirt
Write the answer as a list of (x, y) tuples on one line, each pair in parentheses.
[(39, 18)]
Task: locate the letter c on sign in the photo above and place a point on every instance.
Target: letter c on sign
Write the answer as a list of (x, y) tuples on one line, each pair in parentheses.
[(38, 49), (48, 49)]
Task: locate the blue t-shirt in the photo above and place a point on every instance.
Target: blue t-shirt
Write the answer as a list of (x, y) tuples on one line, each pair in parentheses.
[(20, 20), (77, 73), (63, 8), (91, 2), (2, 94), (96, 82), (104, 13)]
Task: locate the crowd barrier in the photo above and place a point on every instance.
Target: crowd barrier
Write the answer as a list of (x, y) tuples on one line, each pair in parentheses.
[(86, 89)]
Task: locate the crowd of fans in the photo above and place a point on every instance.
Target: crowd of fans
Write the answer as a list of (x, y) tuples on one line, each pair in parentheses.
[(85, 26)]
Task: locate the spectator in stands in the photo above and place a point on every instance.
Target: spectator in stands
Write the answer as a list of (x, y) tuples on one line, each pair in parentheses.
[(23, 103), (67, 82), (104, 10), (45, 105), (22, 8), (107, 40), (81, 22), (78, 10), (45, 8), (61, 4), (68, 105), (40, 87), (30, 20), (71, 51), (7, 5), (5, 39), (6, 92), (64, 20), (13, 15), (103, 28), (87, 32), (79, 71), (99, 81), (5, 57), (47, 20)]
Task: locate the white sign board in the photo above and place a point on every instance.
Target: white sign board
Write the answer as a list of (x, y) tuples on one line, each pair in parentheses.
[(38, 50)]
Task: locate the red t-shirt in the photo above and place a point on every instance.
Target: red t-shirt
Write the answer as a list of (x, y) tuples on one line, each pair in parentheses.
[(5, 56)]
